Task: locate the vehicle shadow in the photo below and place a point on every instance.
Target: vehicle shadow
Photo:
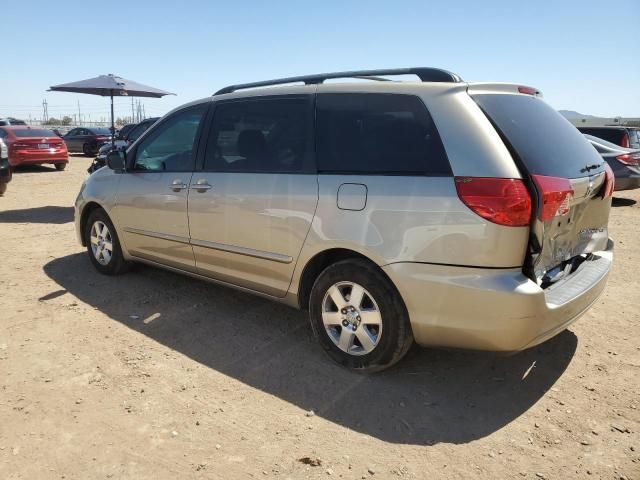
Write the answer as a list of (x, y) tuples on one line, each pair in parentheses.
[(432, 396), (622, 202), (48, 214), (32, 169)]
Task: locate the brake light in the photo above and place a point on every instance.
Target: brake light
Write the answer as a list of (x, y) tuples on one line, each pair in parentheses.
[(625, 141), (555, 194), (528, 90), (609, 182), (16, 146), (504, 201), (628, 159)]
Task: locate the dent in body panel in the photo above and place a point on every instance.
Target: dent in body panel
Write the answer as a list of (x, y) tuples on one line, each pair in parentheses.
[(411, 219)]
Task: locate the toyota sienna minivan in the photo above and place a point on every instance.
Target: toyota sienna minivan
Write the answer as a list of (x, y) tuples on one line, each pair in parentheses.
[(452, 214)]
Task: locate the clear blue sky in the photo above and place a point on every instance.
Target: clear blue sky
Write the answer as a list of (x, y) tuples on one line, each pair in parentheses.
[(583, 55)]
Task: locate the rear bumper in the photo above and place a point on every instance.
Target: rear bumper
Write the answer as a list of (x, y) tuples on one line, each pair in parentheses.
[(627, 183), (494, 309), (16, 160)]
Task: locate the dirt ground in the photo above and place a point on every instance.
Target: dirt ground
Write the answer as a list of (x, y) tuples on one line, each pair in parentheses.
[(153, 375)]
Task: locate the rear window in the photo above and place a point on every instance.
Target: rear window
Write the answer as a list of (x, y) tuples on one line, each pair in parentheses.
[(101, 131), (33, 132), (612, 135), (634, 138), (543, 139), (377, 134)]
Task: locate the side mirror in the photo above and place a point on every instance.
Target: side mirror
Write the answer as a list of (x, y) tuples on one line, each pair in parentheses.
[(117, 160)]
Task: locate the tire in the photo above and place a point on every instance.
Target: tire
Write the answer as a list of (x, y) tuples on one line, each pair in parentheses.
[(380, 319), (60, 166), (3, 188), (86, 150), (107, 262)]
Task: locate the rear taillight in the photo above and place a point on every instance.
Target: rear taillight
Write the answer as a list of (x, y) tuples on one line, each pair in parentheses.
[(555, 194), (625, 141), (628, 159), (504, 201), (609, 182), (18, 146)]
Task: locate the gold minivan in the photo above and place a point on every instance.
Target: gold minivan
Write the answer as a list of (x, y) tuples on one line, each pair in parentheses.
[(468, 215)]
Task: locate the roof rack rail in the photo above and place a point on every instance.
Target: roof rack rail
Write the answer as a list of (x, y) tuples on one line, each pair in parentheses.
[(425, 74)]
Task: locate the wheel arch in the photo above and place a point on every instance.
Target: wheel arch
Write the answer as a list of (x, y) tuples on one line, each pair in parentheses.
[(84, 216), (321, 260)]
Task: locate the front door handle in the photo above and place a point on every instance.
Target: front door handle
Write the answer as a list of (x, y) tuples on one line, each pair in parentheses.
[(201, 186), (177, 185)]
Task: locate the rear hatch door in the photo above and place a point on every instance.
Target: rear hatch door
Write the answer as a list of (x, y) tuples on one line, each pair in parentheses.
[(567, 177)]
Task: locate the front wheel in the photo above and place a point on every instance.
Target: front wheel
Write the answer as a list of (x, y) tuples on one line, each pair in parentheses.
[(3, 188), (358, 316), (103, 245)]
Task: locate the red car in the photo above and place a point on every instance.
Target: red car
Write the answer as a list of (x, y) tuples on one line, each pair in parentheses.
[(34, 146)]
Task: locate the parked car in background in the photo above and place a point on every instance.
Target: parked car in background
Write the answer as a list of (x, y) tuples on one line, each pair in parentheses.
[(34, 146), (122, 133), (87, 140), (627, 137), (625, 162), (121, 143), (8, 121), (5, 168), (359, 202)]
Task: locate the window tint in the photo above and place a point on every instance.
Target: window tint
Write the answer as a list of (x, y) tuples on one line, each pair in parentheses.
[(260, 135), (139, 130), (613, 135), (634, 138), (377, 134), (171, 146), (544, 140), (99, 131)]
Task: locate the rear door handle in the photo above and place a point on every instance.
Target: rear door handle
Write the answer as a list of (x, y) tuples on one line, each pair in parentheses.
[(177, 185), (201, 186)]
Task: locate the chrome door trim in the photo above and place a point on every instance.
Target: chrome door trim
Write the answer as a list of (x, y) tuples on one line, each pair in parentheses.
[(163, 236), (250, 252)]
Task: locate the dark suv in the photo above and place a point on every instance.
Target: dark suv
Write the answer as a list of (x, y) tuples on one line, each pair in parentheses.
[(627, 137)]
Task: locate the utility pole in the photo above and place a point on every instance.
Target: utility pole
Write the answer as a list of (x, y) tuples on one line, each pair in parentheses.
[(45, 111), (132, 115), (79, 117), (144, 114)]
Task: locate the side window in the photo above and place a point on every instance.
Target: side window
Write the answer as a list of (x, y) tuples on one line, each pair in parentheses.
[(170, 147), (377, 134), (265, 135), (634, 138), (2, 133), (72, 133)]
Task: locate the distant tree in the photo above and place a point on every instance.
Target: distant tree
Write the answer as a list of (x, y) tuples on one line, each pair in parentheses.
[(121, 121), (52, 121), (66, 120)]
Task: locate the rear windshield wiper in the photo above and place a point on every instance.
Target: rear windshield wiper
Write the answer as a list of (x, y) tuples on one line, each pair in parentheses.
[(588, 168)]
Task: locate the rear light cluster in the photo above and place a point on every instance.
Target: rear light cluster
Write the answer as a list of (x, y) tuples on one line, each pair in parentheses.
[(625, 141), (609, 182), (504, 201), (629, 159), (556, 194)]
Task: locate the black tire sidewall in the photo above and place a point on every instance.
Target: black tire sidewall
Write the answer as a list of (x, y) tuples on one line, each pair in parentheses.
[(60, 166), (117, 264), (396, 337)]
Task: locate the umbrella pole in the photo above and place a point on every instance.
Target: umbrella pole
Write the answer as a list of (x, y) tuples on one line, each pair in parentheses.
[(113, 127)]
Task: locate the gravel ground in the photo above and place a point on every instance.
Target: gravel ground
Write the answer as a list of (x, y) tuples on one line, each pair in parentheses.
[(153, 375)]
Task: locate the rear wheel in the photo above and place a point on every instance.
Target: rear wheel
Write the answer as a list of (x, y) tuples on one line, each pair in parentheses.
[(60, 166), (103, 245), (86, 149), (3, 188), (358, 316)]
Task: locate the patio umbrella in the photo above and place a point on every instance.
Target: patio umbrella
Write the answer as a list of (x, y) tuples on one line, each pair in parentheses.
[(110, 86)]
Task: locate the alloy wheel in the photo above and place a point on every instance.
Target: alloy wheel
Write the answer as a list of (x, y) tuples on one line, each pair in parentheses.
[(101, 242)]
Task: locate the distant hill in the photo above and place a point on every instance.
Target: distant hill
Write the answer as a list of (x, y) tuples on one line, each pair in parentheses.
[(572, 114)]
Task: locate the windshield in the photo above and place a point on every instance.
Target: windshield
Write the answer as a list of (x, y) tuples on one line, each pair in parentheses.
[(544, 140)]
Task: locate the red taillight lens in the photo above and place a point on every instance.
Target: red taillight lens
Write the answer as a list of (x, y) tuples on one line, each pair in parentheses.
[(609, 182), (555, 193), (628, 159), (504, 201), (18, 146)]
